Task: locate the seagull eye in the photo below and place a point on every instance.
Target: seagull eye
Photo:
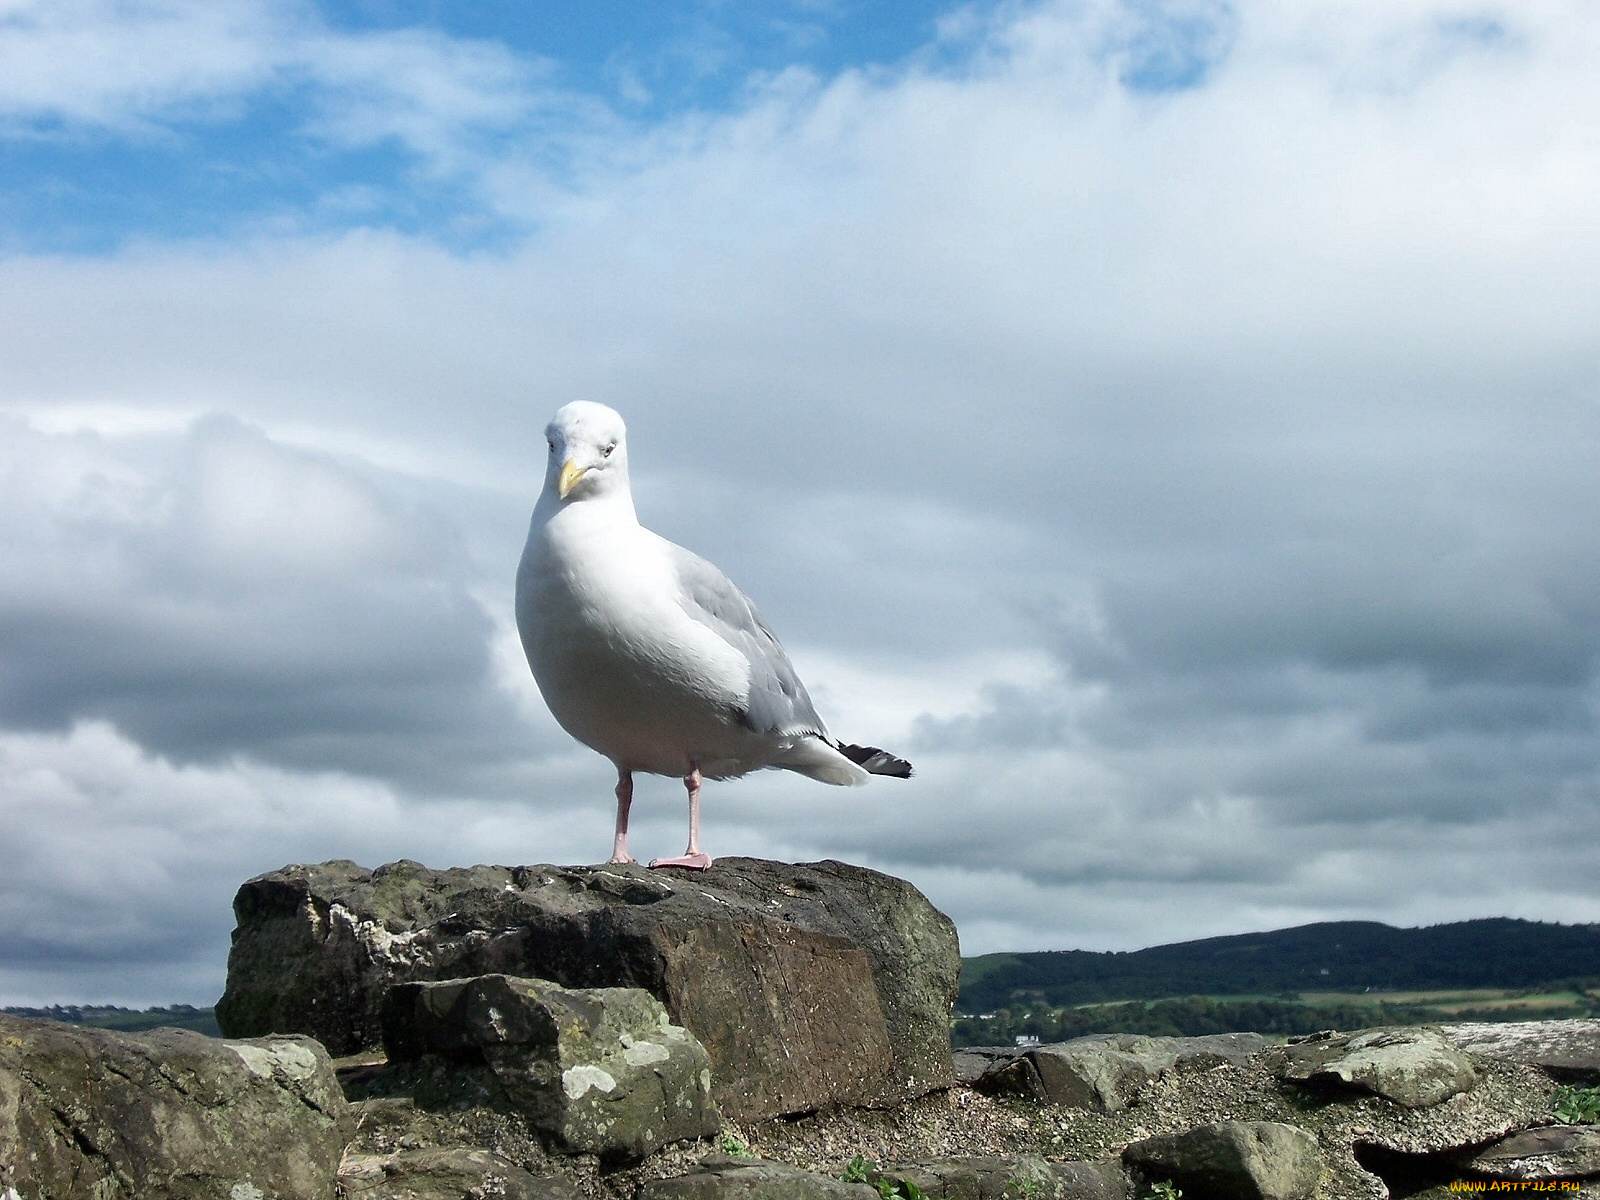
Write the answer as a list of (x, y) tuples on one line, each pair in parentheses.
[(551, 442), (605, 451)]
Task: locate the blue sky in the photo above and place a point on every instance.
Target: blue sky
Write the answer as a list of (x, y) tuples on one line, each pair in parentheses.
[(1168, 423), (276, 136), (255, 149)]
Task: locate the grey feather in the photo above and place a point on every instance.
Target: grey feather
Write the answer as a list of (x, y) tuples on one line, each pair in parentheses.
[(778, 700)]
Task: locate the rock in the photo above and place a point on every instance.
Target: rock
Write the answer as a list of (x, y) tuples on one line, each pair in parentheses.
[(1233, 1160), (1015, 1076), (449, 1174), (601, 1070), (1565, 1050), (89, 1113), (1414, 1068), (972, 1063), (809, 985), (1541, 1155), (1012, 1177), (1105, 1072), (724, 1178), (1103, 1077), (1214, 1049)]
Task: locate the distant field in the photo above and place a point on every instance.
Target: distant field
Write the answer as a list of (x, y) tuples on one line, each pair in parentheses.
[(1444, 1000), (1460, 999), (1272, 1014)]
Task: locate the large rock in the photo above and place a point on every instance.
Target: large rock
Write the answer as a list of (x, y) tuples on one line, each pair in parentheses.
[(1104, 1072), (1006, 1177), (91, 1114), (1566, 1050), (722, 1177), (1415, 1068), (808, 985), (1541, 1155), (1233, 1160), (600, 1070)]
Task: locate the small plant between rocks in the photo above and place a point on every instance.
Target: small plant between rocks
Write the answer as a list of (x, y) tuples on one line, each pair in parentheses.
[(859, 1170), (1165, 1190), (733, 1146), (1576, 1105)]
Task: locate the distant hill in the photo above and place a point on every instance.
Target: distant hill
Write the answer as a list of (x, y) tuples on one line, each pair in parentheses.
[(126, 1020), (1334, 956)]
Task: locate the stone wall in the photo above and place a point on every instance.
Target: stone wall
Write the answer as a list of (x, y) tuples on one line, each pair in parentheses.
[(757, 1032)]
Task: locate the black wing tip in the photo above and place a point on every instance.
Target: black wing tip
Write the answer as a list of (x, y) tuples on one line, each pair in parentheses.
[(876, 761)]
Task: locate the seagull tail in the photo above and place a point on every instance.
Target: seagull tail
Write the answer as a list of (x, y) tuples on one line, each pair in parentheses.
[(877, 762), (818, 759), (836, 763)]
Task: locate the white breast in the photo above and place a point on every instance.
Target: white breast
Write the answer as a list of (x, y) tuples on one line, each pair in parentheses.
[(623, 667)]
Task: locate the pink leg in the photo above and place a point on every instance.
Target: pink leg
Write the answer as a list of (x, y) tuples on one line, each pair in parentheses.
[(619, 848), (693, 857)]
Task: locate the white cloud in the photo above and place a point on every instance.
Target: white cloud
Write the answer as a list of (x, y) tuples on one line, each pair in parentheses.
[(271, 515), (154, 69), (126, 65), (120, 866), (117, 862)]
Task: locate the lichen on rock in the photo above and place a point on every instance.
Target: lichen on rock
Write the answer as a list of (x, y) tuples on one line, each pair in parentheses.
[(92, 1113), (598, 1070), (1413, 1067)]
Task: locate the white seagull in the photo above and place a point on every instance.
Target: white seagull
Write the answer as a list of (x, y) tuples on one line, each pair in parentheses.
[(648, 653)]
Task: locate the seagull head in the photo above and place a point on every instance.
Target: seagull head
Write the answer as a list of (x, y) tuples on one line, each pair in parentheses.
[(588, 451)]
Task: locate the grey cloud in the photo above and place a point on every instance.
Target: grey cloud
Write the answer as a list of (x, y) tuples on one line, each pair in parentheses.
[(1477, 709), (241, 597)]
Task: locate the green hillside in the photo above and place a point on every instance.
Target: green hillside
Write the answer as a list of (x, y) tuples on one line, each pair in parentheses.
[(1345, 974), (1336, 956)]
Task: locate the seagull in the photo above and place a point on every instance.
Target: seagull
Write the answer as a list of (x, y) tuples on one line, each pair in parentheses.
[(648, 653)]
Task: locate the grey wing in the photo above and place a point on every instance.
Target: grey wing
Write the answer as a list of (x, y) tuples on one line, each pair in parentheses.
[(778, 700)]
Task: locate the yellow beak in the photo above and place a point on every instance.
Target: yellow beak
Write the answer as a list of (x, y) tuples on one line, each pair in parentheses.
[(571, 472)]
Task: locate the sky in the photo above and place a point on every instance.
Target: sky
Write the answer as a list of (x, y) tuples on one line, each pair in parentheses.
[(1171, 424)]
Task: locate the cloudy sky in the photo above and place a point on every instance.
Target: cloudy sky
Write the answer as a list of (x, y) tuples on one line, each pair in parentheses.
[(1172, 424)]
